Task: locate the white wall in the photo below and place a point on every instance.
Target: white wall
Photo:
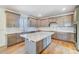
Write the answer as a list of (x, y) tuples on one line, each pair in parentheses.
[(2, 27)]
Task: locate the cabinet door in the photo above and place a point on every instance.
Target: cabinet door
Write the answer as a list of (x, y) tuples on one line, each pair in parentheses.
[(65, 36), (11, 38), (68, 20), (44, 22), (38, 23), (33, 22), (44, 43), (62, 36), (39, 46), (65, 20), (52, 20), (48, 40), (12, 19), (60, 20)]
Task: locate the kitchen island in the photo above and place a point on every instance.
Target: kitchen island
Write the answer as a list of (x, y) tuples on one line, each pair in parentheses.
[(36, 42)]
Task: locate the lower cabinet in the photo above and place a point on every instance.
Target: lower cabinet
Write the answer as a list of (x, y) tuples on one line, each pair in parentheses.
[(13, 39), (64, 36), (19, 38)]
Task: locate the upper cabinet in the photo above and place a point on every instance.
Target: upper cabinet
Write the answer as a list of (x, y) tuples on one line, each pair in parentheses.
[(65, 20), (68, 20), (32, 22), (52, 20), (44, 22), (60, 20), (12, 19), (41, 22)]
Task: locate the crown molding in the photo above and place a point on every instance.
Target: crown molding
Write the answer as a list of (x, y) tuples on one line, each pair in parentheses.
[(70, 13)]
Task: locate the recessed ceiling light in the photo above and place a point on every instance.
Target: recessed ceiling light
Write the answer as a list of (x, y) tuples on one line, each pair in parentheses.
[(39, 15), (64, 9)]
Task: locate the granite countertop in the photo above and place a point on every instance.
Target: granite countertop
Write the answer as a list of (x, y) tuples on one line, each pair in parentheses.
[(37, 36), (13, 30), (19, 30), (49, 29), (58, 29)]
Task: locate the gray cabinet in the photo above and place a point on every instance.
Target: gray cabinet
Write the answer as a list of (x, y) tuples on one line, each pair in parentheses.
[(65, 20), (64, 36), (13, 39), (12, 19)]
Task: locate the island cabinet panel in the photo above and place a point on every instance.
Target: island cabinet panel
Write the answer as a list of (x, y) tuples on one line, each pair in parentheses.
[(30, 47), (46, 42), (39, 46)]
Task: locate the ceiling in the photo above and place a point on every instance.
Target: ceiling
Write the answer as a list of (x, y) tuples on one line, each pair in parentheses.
[(41, 10)]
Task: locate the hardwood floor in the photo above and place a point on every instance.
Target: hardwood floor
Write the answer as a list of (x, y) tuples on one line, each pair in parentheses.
[(56, 47), (60, 47), (15, 49)]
